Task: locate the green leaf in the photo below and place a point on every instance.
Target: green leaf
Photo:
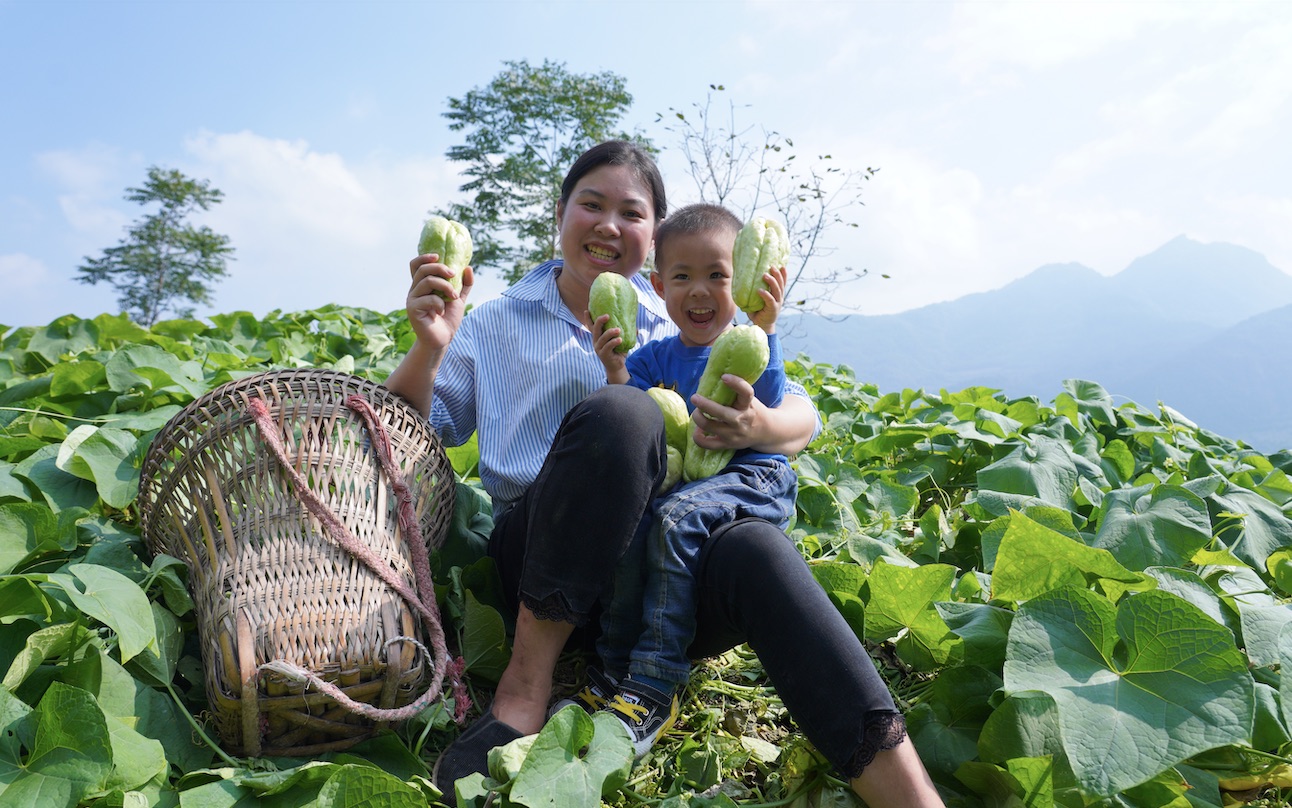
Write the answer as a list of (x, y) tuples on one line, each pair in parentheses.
[(355, 786), (29, 531), (1022, 783), (50, 642), (484, 640), (902, 605), (1044, 470), (62, 491), (575, 759), (843, 583), (70, 379), (1153, 525), (1034, 559), (136, 759), (153, 370), (11, 486), (72, 741), (1249, 524), (1178, 687), (13, 734), (1057, 519), (108, 457), (114, 600), (983, 628), (946, 724)]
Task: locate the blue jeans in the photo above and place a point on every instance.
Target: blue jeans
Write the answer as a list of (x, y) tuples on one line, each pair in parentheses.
[(649, 617)]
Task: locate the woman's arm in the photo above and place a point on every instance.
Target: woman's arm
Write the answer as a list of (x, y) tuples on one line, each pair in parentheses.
[(434, 312), (749, 424)]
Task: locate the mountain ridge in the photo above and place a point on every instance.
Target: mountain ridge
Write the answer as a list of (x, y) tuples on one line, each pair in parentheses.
[(1184, 311)]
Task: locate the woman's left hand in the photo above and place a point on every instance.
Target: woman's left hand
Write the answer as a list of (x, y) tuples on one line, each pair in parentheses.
[(738, 426)]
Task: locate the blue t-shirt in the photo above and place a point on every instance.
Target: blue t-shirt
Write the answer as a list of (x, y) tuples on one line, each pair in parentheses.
[(668, 362)]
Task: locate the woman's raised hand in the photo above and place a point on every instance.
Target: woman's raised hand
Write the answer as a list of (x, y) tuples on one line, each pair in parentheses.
[(604, 342), (434, 309)]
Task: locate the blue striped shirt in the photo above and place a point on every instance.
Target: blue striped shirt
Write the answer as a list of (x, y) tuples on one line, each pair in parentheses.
[(516, 366)]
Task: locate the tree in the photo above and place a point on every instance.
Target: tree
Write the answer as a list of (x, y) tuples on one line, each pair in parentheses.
[(749, 169), (524, 130), (163, 260)]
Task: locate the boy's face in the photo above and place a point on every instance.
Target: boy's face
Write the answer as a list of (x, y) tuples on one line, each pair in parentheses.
[(694, 279)]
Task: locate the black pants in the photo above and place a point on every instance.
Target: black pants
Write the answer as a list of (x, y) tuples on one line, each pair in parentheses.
[(556, 551)]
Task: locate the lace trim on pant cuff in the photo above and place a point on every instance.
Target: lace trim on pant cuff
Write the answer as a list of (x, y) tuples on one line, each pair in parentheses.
[(884, 730), (554, 608)]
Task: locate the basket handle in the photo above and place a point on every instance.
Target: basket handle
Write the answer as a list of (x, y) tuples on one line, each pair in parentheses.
[(423, 601)]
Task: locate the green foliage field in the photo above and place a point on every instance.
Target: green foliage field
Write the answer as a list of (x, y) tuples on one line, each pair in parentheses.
[(1078, 601)]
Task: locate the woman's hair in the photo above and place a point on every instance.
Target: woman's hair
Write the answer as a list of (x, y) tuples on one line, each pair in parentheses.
[(691, 220), (619, 153)]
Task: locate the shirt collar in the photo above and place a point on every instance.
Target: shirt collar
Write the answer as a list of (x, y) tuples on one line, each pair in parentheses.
[(539, 284)]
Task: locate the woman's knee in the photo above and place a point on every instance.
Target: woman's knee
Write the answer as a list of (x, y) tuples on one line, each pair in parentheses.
[(751, 551), (620, 415)]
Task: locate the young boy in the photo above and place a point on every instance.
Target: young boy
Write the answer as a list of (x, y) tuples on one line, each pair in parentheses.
[(649, 620)]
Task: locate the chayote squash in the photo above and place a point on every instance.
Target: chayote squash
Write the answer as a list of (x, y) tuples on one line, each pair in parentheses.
[(615, 295), (677, 427), (451, 241), (741, 351), (760, 246)]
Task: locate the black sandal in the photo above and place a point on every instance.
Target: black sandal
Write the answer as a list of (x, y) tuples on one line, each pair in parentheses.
[(469, 753)]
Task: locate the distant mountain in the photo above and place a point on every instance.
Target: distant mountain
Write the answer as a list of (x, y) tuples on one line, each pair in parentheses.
[(1198, 326)]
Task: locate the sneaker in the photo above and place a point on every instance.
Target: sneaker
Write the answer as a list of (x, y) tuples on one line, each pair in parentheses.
[(645, 711), (594, 696)]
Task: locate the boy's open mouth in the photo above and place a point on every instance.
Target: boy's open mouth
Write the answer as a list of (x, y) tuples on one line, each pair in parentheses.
[(701, 316)]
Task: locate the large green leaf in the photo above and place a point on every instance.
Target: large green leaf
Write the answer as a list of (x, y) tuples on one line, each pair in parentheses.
[(71, 754), (114, 600), (1033, 560), (575, 759), (902, 605), (1153, 525), (1251, 526), (1139, 687), (1043, 469), (110, 458), (356, 786)]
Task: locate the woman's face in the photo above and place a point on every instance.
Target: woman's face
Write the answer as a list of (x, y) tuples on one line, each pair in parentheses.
[(606, 225)]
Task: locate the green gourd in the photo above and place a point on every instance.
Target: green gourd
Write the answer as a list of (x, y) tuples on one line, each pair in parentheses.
[(741, 351), (613, 294), (451, 241), (760, 246)]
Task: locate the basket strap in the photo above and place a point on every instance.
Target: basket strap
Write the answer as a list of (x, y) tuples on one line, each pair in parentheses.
[(424, 604)]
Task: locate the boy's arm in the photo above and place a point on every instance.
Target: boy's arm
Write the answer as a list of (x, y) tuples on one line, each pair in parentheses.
[(604, 342), (773, 299)]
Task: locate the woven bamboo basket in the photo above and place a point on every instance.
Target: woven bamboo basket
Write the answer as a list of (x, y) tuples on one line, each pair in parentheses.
[(268, 582)]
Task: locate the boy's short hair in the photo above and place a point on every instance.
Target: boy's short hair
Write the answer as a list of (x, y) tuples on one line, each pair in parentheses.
[(691, 220)]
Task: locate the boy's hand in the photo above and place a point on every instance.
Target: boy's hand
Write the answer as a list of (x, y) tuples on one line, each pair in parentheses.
[(773, 298), (738, 426), (604, 342), (434, 309)]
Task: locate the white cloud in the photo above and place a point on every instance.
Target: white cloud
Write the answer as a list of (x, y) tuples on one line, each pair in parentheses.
[(19, 272), (311, 228), (985, 37), (90, 189)]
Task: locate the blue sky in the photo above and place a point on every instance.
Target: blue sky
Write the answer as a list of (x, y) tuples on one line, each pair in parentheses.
[(1007, 135)]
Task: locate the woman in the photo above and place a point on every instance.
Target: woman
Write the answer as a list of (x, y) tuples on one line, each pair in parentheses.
[(571, 465)]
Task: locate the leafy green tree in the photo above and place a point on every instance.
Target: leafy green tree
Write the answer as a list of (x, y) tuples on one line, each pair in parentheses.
[(754, 170), (523, 131), (164, 260)]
